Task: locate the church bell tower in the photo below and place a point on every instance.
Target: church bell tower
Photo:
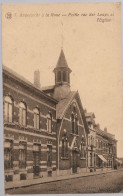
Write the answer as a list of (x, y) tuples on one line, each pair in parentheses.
[(62, 78)]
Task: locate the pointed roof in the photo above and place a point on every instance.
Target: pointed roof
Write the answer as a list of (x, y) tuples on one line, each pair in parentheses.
[(62, 63), (62, 60), (63, 105)]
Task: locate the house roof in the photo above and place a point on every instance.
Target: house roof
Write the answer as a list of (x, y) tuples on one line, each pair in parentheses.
[(90, 114), (105, 134), (63, 104), (46, 88), (21, 79)]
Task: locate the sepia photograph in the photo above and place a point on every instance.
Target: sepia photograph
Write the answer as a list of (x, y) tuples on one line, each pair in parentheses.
[(62, 98)]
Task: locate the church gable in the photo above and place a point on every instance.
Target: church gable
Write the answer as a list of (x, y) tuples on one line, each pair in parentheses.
[(72, 118), (72, 134), (73, 111)]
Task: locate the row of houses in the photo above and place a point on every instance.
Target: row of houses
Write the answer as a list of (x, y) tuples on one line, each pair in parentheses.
[(102, 146), (46, 130)]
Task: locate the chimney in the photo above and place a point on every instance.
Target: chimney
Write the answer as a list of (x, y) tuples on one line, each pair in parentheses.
[(98, 126), (37, 78), (85, 110), (105, 129)]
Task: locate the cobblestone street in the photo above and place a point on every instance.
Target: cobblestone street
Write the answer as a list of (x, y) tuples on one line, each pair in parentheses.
[(104, 183)]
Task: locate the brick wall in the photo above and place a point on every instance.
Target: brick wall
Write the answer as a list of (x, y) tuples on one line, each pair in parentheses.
[(65, 164), (20, 92)]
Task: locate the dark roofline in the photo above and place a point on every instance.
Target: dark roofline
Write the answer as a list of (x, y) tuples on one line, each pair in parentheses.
[(21, 79), (74, 92), (47, 88), (90, 114), (83, 114), (109, 135)]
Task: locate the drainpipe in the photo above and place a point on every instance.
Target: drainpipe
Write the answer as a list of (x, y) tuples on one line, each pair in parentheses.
[(87, 153), (58, 135)]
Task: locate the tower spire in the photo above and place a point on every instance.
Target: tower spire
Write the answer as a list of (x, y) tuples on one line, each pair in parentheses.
[(62, 78), (62, 37)]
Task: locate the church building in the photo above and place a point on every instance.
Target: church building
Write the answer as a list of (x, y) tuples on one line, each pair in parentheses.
[(45, 130), (72, 129)]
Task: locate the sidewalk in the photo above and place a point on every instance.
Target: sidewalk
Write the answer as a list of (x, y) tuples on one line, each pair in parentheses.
[(25, 183)]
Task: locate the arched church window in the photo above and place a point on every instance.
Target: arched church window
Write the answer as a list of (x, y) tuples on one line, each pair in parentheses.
[(76, 125), (59, 76), (73, 122)]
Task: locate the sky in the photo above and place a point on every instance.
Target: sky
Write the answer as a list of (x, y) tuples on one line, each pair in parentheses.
[(32, 37)]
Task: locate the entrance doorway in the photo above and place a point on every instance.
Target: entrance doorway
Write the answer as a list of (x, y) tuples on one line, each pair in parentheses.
[(74, 161), (36, 160)]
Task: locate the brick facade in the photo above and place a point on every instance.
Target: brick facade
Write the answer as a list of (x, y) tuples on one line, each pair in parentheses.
[(16, 133)]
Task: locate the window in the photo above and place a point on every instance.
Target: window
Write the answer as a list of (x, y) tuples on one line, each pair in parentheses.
[(22, 114), (109, 150), (90, 159), (36, 118), (59, 76), (96, 143), (101, 144), (64, 147), (64, 76), (88, 140), (8, 145), (49, 123), (8, 109), (22, 155), (72, 119), (76, 125), (36, 154), (49, 155), (91, 140)]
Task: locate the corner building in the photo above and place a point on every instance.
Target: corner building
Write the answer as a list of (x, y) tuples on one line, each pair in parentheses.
[(45, 131)]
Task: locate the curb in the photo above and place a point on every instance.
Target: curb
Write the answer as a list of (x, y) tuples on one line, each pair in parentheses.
[(55, 180)]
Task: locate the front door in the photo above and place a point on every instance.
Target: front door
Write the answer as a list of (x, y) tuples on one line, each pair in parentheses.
[(36, 159), (74, 165), (36, 162)]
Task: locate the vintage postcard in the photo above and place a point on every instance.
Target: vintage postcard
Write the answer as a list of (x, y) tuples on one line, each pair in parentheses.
[(62, 98)]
